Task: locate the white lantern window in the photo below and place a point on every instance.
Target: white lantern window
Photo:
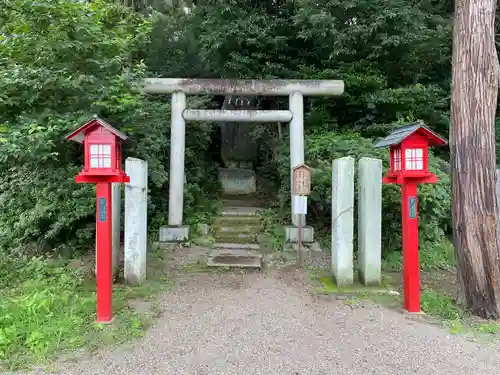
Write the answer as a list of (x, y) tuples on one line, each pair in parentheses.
[(100, 156), (414, 159)]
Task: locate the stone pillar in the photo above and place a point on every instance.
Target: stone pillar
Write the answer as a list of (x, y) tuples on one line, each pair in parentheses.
[(296, 140), (116, 193), (342, 220), (175, 231), (370, 220), (177, 149), (136, 216)]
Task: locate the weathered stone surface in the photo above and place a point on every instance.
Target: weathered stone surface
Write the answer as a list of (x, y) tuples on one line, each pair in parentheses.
[(370, 220), (314, 247), (292, 233), (237, 228), (343, 220), (268, 87), (241, 246), (237, 181), (238, 147), (235, 258), (136, 218), (203, 229), (235, 237), (174, 234)]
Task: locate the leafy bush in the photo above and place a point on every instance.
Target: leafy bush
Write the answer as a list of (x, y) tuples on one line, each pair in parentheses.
[(62, 61)]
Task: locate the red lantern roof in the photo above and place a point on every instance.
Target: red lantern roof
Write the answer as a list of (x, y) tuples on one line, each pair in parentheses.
[(400, 134), (78, 135)]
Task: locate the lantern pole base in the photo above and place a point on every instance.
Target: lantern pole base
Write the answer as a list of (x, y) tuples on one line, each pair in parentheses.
[(103, 321), (414, 313)]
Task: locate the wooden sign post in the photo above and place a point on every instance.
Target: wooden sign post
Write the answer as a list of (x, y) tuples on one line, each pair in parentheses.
[(301, 188)]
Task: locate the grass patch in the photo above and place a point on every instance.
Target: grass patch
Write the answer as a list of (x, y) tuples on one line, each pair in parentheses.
[(456, 318), (438, 305), (384, 293), (48, 309)]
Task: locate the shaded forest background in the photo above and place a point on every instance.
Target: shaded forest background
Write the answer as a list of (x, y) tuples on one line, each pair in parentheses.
[(62, 61)]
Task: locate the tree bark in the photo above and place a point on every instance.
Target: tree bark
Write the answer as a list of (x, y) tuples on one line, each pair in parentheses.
[(472, 146)]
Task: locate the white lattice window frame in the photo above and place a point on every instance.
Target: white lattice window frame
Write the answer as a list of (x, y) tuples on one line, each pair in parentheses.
[(414, 159), (100, 156)]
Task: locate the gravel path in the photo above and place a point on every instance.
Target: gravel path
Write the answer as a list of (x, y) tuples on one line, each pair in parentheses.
[(268, 324)]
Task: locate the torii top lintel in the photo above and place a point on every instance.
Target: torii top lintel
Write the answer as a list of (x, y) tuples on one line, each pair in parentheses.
[(271, 87)]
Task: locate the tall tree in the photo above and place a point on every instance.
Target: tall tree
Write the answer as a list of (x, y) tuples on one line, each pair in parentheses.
[(472, 135)]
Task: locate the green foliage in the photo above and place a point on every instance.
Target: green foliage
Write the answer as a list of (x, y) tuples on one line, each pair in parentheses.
[(55, 72), (394, 58), (433, 256), (272, 228), (62, 61)]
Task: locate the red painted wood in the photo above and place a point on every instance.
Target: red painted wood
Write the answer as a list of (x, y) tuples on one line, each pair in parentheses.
[(411, 268), (104, 279), (409, 180)]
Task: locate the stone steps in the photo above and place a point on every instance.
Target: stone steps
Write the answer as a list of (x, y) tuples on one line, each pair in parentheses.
[(237, 246), (235, 221), (240, 211), (237, 202), (235, 233), (236, 237), (225, 229), (240, 258)]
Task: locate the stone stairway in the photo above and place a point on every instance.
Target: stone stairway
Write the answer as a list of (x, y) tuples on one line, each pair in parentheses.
[(236, 233)]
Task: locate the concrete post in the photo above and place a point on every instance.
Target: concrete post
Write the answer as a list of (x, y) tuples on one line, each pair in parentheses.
[(136, 229), (296, 140), (116, 193), (343, 220), (177, 149), (370, 220)]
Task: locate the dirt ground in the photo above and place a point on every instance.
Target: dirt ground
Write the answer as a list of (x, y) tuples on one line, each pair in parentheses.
[(272, 322)]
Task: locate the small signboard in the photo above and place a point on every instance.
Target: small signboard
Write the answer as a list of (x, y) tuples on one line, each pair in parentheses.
[(299, 205), (301, 180), (413, 207), (102, 209)]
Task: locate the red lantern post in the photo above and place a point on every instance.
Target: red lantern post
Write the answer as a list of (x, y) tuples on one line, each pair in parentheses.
[(103, 166), (409, 154)]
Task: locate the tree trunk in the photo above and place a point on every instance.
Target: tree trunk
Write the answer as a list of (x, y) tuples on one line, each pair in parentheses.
[(472, 146)]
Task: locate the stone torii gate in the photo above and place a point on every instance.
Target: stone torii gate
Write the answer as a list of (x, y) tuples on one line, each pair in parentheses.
[(180, 87)]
